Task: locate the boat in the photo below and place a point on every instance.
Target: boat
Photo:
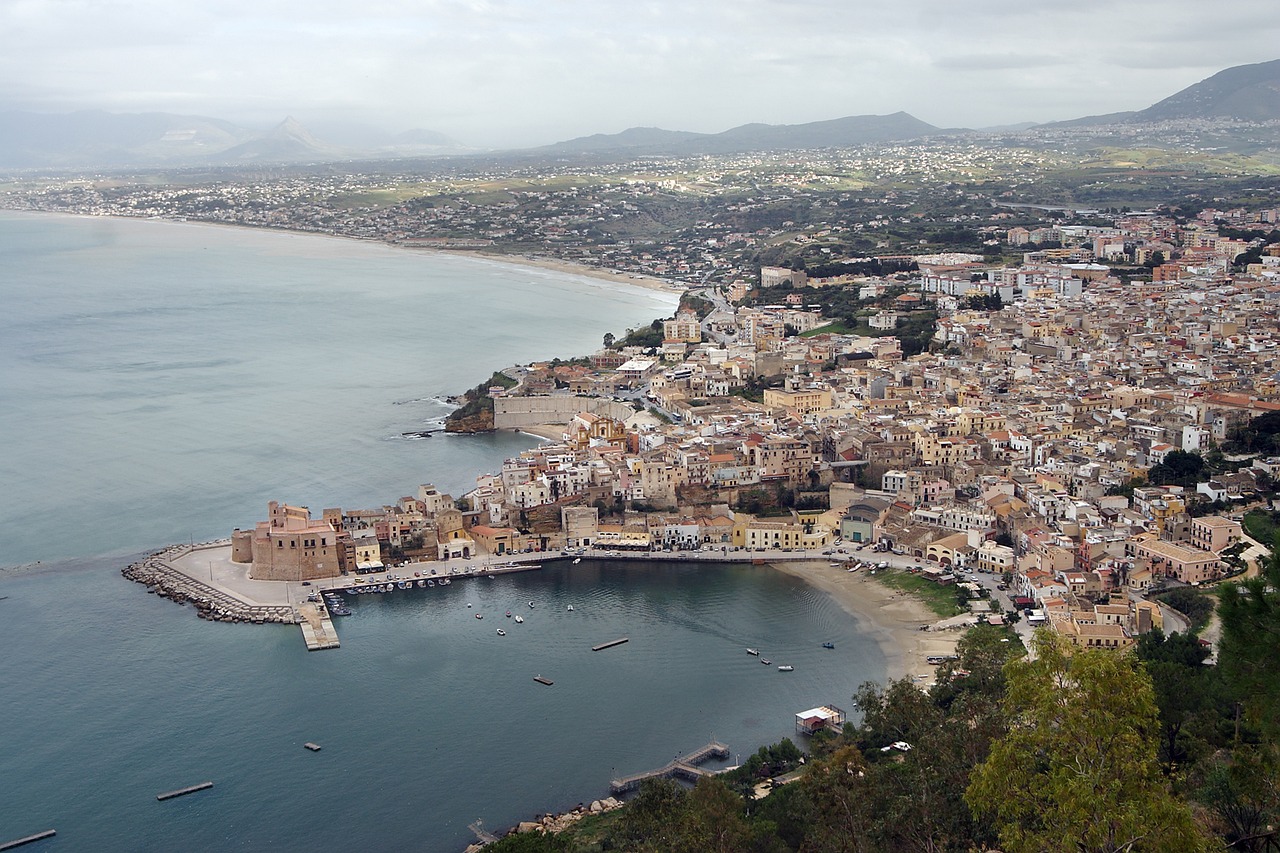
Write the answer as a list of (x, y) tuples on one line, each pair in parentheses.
[(755, 652), (432, 583), (468, 603), (479, 615), (508, 614), (339, 611), (401, 585), (501, 633), (519, 618), (530, 603), (786, 668), (828, 645), (577, 560), (765, 661), (422, 584), (570, 607), (445, 581)]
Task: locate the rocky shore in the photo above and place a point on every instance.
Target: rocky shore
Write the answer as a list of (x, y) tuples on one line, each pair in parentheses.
[(559, 823), (163, 580)]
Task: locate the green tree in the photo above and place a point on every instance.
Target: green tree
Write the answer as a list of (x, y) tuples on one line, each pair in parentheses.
[(1077, 769), (1250, 614)]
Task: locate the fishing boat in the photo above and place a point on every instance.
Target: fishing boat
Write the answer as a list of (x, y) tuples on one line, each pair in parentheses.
[(764, 661), (501, 633), (828, 645), (479, 615), (508, 614), (531, 604), (577, 560), (755, 652), (786, 667), (519, 618), (570, 607)]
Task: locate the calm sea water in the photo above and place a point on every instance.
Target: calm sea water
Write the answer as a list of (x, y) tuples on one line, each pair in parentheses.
[(164, 381)]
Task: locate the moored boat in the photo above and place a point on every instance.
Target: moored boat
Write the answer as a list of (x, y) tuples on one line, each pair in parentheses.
[(755, 652), (786, 668)]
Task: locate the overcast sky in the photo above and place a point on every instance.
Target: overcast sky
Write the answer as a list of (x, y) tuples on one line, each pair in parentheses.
[(506, 73)]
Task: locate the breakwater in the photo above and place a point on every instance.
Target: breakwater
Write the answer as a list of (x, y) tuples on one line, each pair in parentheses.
[(162, 579)]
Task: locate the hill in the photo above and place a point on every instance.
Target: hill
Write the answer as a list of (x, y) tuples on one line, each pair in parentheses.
[(840, 132)]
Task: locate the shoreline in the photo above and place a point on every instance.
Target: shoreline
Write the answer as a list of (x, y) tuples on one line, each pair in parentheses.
[(893, 618), (620, 278)]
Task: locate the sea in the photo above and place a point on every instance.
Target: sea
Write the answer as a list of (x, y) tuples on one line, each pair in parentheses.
[(161, 382)]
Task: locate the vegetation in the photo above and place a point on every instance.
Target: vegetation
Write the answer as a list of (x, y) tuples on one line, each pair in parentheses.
[(1192, 603), (1262, 525), (940, 599), (477, 399)]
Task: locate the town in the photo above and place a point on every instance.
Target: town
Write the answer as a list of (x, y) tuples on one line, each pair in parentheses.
[(1088, 440)]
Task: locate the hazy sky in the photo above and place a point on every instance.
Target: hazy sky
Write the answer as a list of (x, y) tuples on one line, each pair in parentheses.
[(508, 73)]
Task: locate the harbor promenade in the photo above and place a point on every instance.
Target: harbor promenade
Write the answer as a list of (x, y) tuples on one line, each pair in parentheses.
[(204, 575)]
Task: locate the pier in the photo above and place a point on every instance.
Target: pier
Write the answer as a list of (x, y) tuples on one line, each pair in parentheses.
[(182, 792), (317, 627), (610, 644), (39, 836), (686, 768)]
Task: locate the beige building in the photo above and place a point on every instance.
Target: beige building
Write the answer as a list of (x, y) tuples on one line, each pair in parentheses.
[(288, 546), (803, 401), (1214, 533), (1189, 565)]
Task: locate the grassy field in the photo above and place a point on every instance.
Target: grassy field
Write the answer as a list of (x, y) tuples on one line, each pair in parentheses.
[(940, 599)]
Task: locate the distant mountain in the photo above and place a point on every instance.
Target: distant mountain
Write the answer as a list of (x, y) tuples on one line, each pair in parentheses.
[(96, 139), (286, 142), (840, 132), (1244, 92), (1247, 92)]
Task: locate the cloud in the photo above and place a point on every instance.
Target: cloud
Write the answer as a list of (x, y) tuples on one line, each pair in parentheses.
[(514, 72)]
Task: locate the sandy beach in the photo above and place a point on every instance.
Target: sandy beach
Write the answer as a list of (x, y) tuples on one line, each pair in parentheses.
[(621, 279), (893, 618), (551, 432)]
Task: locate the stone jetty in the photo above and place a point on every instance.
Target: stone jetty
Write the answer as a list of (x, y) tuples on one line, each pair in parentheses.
[(213, 604)]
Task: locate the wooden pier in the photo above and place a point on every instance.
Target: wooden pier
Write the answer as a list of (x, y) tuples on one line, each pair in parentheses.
[(686, 768), (181, 792), (610, 644), (18, 842)]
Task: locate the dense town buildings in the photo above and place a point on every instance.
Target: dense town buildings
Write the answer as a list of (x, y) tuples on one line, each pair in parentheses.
[(1018, 443)]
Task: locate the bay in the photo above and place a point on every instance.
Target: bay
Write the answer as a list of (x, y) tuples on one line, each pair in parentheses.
[(162, 382)]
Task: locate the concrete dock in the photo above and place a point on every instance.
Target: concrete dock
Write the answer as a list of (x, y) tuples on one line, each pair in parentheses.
[(317, 627), (18, 842)]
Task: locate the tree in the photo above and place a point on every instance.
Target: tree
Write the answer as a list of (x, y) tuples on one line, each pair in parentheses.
[(608, 339), (1077, 769), (531, 842), (1250, 614)]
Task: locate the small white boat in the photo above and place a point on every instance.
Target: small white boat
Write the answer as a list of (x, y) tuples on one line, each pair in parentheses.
[(530, 603), (577, 560), (570, 607), (765, 661), (468, 603), (755, 652), (519, 618), (786, 667), (479, 615), (501, 633)]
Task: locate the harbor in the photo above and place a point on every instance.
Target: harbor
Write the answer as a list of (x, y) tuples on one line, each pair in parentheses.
[(203, 575)]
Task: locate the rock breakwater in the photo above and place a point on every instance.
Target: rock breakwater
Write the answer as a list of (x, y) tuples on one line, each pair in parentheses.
[(162, 579)]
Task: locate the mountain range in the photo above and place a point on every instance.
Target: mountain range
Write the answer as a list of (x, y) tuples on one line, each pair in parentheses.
[(100, 139)]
